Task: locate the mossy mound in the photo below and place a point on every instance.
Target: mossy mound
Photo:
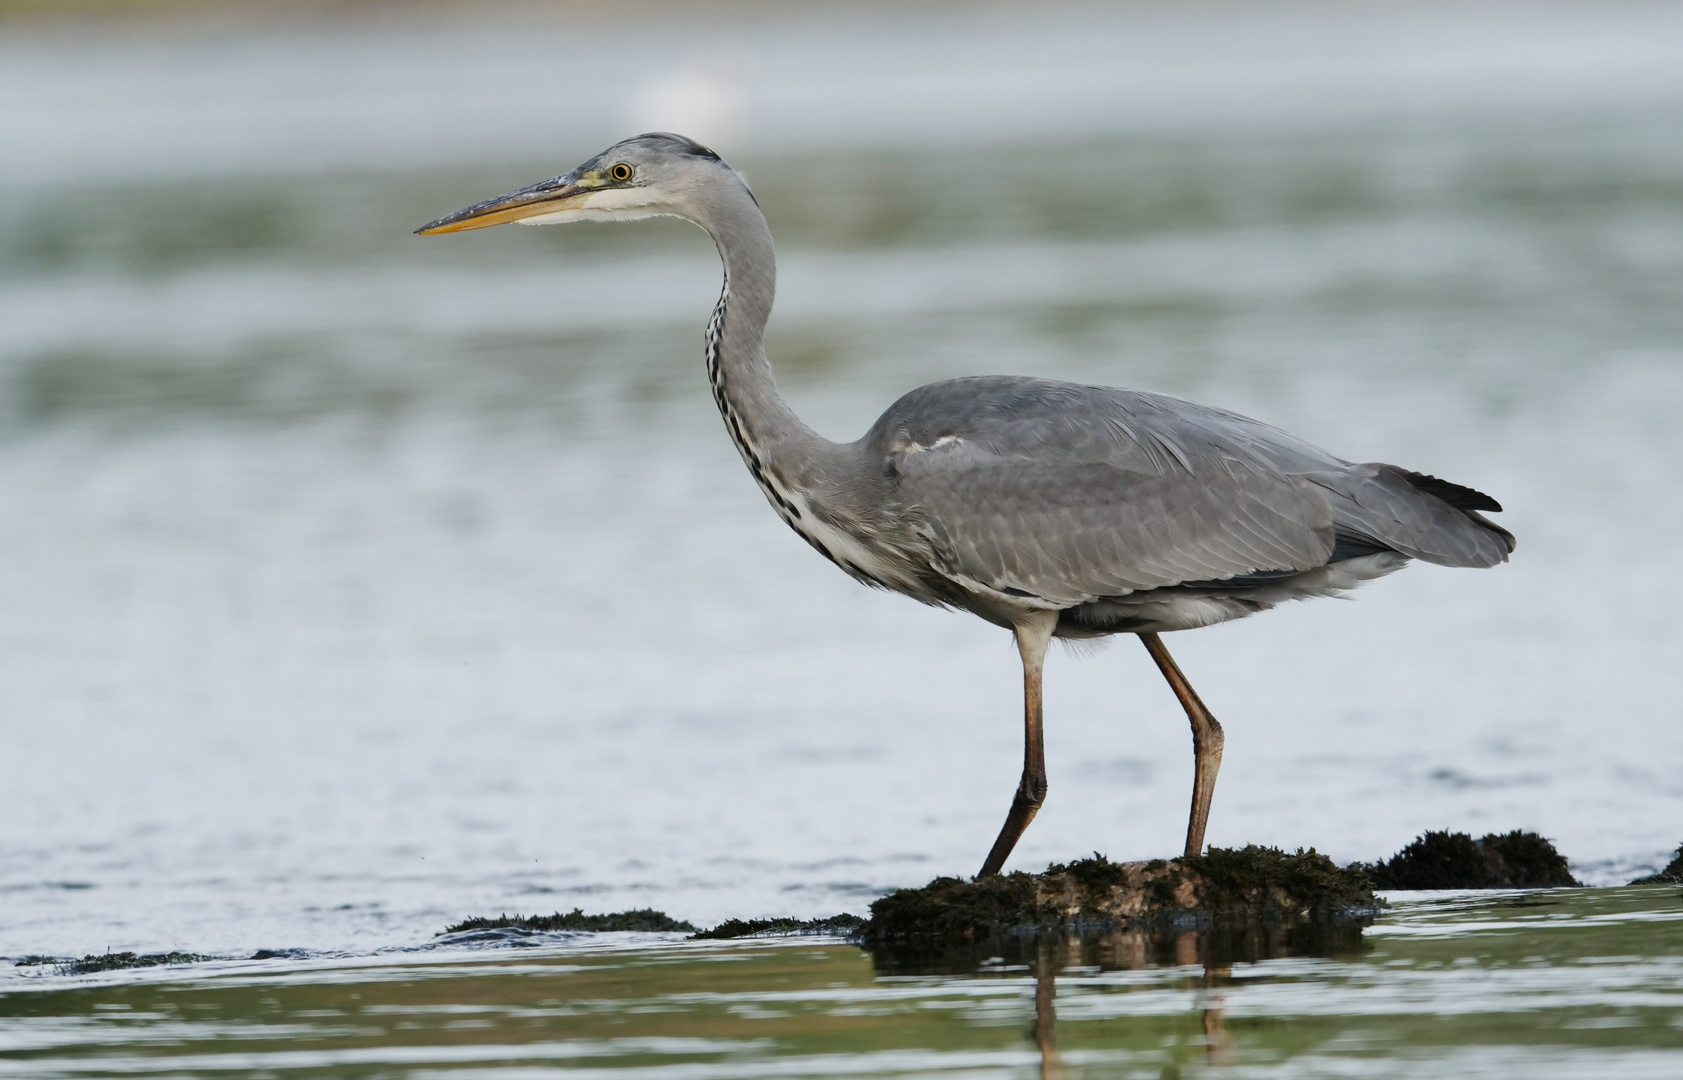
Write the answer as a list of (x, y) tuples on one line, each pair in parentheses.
[(116, 961), (1446, 860), (836, 926), (1232, 884), (1671, 875), (645, 920), (1258, 880)]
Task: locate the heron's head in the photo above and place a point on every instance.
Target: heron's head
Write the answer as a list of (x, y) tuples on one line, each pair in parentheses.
[(642, 177)]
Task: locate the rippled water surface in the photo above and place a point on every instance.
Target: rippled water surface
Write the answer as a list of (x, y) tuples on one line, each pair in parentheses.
[(1571, 983), (353, 583)]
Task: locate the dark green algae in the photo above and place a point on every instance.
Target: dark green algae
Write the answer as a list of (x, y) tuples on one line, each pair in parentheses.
[(111, 961), (643, 920), (1446, 860), (844, 925), (1243, 885), (648, 920)]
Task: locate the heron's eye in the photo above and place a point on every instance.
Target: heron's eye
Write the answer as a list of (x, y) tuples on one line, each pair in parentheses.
[(620, 172)]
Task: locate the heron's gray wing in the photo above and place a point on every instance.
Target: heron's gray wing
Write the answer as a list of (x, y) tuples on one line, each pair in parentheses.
[(1071, 492), (1070, 533)]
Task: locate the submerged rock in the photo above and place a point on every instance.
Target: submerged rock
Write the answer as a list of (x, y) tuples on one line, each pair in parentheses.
[(1248, 884), (646, 920), (117, 961), (1446, 860), (1671, 875), (843, 925)]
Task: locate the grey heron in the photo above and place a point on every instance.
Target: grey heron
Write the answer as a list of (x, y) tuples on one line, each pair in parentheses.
[(1048, 508)]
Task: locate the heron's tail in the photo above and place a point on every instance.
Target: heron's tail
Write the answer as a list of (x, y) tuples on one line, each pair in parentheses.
[(1384, 508)]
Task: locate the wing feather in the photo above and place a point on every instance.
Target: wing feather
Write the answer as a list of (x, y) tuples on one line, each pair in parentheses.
[(1069, 532)]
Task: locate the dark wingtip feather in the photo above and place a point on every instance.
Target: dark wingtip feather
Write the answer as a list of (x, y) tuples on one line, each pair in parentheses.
[(1506, 536), (1456, 495)]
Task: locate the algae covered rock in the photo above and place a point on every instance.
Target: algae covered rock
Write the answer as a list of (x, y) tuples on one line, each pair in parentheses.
[(1671, 875), (1248, 883), (644, 920), (118, 961), (1262, 880), (843, 925), (1446, 860)]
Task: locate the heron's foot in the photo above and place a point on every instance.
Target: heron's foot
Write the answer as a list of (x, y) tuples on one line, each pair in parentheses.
[(1029, 798)]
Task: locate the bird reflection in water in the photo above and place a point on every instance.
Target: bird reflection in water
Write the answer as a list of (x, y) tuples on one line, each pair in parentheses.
[(1218, 1044), (1219, 1048), (1046, 1016), (1207, 953)]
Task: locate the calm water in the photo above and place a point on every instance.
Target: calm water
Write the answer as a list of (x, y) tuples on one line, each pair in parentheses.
[(1566, 984), (354, 583)]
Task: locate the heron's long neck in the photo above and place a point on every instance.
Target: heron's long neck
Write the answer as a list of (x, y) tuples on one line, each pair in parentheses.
[(778, 448)]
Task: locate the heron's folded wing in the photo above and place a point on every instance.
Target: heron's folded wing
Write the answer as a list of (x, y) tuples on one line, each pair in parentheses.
[(1072, 530)]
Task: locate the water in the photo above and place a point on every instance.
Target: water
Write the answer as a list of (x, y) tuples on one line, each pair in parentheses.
[(355, 583), (1564, 984)]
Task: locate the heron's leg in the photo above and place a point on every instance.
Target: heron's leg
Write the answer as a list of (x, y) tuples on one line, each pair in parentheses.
[(1034, 634), (1207, 741)]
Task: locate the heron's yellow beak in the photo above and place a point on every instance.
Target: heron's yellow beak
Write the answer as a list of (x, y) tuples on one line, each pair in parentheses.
[(549, 197)]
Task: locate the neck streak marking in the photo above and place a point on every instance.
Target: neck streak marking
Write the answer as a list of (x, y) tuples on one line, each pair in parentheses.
[(733, 421), (852, 553)]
